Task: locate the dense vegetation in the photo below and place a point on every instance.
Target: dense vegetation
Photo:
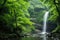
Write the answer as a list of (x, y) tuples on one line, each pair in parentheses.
[(19, 16), (14, 17)]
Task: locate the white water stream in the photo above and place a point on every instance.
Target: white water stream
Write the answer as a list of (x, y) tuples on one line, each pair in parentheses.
[(44, 33), (45, 21)]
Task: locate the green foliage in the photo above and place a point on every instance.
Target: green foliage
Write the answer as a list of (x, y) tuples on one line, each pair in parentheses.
[(57, 4), (14, 14)]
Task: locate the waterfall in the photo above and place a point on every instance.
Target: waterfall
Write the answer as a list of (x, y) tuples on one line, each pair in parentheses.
[(45, 21), (44, 33), (45, 25)]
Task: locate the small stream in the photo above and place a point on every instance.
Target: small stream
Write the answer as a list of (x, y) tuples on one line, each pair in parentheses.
[(37, 38), (53, 36)]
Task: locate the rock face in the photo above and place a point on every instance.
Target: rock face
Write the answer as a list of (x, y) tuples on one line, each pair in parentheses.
[(54, 36), (36, 31), (51, 26)]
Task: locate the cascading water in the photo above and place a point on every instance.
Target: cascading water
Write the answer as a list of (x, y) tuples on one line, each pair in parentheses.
[(45, 25), (44, 33), (45, 21)]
